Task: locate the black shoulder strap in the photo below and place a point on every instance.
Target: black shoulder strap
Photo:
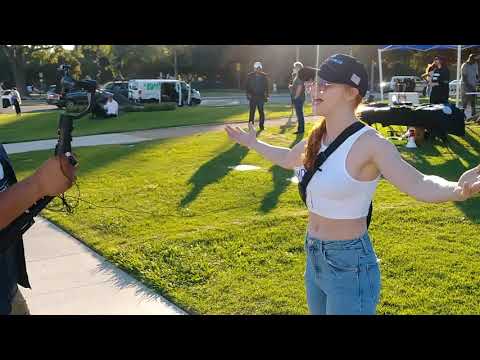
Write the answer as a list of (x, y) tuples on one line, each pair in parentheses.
[(323, 155), (344, 135)]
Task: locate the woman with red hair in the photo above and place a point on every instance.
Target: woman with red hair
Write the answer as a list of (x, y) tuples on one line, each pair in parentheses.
[(342, 274)]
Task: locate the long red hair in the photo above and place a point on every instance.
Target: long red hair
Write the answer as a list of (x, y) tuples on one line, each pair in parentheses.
[(315, 139)]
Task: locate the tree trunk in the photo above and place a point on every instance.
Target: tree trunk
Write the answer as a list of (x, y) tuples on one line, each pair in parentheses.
[(19, 73), (16, 60), (175, 62)]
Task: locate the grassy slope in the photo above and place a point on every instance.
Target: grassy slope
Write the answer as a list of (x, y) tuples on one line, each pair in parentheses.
[(221, 241)]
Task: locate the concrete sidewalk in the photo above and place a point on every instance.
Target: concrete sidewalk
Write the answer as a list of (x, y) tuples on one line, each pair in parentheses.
[(134, 136), (68, 278)]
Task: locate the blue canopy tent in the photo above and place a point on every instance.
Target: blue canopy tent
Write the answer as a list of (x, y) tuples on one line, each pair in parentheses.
[(459, 49)]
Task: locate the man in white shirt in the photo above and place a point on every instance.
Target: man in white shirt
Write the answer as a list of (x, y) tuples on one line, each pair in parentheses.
[(111, 107), (16, 101)]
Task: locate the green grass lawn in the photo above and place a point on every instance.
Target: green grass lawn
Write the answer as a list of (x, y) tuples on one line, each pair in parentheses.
[(43, 125), (218, 241)]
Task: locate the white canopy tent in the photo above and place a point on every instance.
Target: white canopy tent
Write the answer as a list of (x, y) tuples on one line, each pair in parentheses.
[(423, 48)]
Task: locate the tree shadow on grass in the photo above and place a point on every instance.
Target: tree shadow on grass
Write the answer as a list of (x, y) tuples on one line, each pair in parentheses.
[(473, 130), (214, 170), (280, 182)]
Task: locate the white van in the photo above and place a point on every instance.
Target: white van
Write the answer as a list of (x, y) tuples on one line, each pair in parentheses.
[(149, 90)]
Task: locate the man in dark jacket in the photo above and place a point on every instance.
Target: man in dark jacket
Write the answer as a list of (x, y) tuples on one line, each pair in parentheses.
[(54, 177), (257, 93)]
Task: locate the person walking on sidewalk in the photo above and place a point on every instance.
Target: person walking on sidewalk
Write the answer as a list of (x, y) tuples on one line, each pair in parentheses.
[(469, 82), (257, 93), (54, 177), (297, 92), (342, 273), (16, 101)]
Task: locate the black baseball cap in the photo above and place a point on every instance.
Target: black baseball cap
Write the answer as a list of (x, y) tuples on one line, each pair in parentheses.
[(339, 69)]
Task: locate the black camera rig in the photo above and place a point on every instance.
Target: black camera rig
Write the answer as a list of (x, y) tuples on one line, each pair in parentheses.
[(64, 147)]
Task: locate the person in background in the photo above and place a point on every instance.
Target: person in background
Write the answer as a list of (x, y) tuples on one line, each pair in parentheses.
[(297, 91), (440, 79), (16, 101), (111, 107), (257, 93), (469, 81)]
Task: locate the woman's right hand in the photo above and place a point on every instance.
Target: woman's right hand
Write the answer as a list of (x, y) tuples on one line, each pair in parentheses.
[(242, 137)]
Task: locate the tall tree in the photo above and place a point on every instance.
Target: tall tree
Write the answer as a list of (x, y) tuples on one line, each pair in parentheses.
[(17, 56), (140, 60), (96, 61)]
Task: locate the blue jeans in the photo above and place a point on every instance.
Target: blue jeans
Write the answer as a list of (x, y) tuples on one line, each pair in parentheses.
[(298, 103), (342, 277)]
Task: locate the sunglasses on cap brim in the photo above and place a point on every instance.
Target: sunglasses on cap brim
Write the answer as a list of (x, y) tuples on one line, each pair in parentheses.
[(319, 82)]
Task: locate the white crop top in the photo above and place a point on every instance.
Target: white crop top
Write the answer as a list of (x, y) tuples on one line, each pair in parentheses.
[(332, 192)]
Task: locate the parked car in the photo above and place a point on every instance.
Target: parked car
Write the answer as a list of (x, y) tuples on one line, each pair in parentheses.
[(52, 97), (74, 97), (6, 98), (420, 84), (117, 87)]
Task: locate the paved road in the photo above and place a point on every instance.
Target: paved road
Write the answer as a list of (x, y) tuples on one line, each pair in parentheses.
[(217, 101), (32, 107), (241, 100)]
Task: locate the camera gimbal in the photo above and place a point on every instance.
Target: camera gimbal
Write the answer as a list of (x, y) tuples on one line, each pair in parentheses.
[(63, 147)]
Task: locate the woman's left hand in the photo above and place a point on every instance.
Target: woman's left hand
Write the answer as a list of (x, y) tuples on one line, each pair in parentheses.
[(469, 182), (242, 137)]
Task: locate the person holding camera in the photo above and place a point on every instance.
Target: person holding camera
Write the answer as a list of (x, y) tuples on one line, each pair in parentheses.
[(257, 93), (342, 274), (54, 177)]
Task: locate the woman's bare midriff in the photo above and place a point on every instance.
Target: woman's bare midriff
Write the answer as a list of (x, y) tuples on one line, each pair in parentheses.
[(323, 228)]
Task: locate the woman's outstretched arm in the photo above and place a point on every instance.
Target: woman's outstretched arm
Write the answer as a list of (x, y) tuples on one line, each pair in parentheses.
[(281, 156), (426, 188)]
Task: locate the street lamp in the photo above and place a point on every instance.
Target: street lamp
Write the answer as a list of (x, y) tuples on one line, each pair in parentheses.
[(40, 75), (238, 68)]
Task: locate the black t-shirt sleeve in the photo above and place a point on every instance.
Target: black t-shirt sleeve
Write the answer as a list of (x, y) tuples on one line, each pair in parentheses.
[(444, 76)]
